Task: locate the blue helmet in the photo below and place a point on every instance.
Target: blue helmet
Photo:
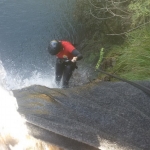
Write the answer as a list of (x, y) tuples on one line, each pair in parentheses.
[(54, 47)]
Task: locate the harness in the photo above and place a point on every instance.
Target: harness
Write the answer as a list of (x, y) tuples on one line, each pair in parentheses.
[(66, 61)]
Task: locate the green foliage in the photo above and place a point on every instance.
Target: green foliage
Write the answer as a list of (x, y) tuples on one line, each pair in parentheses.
[(140, 11), (133, 57), (103, 18), (97, 22), (100, 58), (100, 18)]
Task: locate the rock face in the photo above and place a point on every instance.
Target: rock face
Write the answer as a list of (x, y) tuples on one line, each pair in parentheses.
[(98, 115)]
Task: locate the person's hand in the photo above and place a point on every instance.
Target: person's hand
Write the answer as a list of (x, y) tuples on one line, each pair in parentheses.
[(74, 59)]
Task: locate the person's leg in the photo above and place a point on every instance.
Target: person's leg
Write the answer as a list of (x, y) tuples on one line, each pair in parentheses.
[(68, 70), (58, 72)]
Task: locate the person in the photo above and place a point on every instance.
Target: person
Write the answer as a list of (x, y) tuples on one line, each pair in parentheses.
[(66, 57)]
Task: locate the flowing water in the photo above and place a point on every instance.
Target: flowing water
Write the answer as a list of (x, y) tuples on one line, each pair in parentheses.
[(26, 27)]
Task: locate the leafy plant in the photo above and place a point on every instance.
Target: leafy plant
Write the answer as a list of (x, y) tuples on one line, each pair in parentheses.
[(100, 58), (134, 56), (140, 11)]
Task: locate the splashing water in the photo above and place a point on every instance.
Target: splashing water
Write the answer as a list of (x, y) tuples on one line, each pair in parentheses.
[(12, 126), (13, 131), (17, 82)]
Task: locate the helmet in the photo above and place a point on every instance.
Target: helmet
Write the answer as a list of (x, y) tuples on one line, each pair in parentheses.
[(54, 47)]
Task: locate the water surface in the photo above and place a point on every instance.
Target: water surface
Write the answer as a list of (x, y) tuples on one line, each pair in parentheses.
[(26, 27)]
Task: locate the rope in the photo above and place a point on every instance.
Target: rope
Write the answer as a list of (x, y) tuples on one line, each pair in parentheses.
[(139, 86)]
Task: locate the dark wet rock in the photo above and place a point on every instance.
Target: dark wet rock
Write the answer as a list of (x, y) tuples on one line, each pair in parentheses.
[(96, 115)]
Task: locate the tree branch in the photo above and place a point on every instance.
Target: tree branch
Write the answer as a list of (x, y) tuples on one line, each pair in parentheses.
[(131, 29), (100, 18)]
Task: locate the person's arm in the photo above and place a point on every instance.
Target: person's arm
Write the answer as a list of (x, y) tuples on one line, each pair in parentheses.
[(77, 55)]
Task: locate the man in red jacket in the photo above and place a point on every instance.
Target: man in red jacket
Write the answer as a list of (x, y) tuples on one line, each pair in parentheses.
[(66, 57)]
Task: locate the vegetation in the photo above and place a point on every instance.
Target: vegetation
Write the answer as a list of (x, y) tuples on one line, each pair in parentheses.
[(140, 11), (100, 58), (133, 58), (122, 28)]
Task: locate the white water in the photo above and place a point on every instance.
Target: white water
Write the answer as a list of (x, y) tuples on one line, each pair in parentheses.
[(13, 81), (13, 131)]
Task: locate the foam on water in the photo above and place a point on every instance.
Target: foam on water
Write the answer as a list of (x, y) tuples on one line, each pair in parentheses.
[(14, 81), (11, 123), (13, 131)]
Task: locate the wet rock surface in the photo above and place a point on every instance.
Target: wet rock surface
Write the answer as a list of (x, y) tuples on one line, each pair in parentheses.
[(88, 116)]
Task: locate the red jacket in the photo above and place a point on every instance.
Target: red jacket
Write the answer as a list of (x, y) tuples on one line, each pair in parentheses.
[(66, 52)]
